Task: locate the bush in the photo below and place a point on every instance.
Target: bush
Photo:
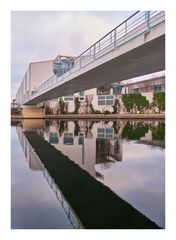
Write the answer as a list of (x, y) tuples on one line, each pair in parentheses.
[(61, 106), (107, 112), (93, 110), (116, 106), (135, 102), (134, 131), (159, 101), (158, 132), (77, 105)]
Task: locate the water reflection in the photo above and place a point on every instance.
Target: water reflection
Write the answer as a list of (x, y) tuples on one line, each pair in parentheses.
[(98, 147)]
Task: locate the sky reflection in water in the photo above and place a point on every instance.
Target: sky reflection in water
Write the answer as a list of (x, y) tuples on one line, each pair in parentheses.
[(133, 170)]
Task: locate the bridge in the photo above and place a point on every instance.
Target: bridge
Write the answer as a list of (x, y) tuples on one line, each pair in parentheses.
[(134, 48)]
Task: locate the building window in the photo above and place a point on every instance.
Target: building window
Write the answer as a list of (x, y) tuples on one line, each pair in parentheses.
[(136, 90), (81, 96), (53, 138), (81, 138), (157, 88), (117, 89), (103, 90), (105, 133), (69, 98), (68, 138), (105, 100)]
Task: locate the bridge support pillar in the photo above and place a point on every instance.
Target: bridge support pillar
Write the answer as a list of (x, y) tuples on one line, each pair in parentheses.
[(32, 111)]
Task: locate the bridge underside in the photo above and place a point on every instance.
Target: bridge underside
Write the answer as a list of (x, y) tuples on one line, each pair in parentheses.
[(145, 59)]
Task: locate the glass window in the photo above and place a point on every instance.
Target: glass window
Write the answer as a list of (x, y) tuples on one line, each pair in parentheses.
[(68, 138), (157, 88), (53, 138), (105, 132), (69, 98), (62, 66), (105, 100), (81, 139), (81, 96), (109, 102), (117, 90), (136, 90), (103, 90)]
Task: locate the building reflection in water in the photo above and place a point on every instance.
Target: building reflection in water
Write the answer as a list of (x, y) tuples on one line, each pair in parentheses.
[(86, 143), (91, 145)]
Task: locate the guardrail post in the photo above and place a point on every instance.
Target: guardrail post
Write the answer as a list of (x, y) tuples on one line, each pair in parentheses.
[(94, 51), (125, 27), (115, 31), (80, 61), (147, 18), (70, 67)]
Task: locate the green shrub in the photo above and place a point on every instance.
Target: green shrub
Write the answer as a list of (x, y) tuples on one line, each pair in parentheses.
[(61, 106), (159, 101), (135, 102), (134, 131), (77, 105)]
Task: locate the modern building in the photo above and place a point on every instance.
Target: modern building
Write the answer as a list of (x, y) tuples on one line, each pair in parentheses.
[(102, 99), (36, 74)]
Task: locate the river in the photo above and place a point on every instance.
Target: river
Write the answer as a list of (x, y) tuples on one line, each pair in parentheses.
[(87, 174)]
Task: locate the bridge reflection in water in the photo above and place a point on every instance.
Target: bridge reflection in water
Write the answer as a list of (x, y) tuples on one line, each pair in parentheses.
[(86, 202)]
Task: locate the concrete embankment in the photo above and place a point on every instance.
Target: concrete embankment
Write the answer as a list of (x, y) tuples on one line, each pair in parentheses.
[(97, 116)]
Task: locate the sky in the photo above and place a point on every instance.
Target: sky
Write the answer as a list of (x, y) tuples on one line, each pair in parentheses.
[(42, 35)]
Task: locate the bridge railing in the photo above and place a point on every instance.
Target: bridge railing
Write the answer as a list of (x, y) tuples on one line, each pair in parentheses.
[(140, 22)]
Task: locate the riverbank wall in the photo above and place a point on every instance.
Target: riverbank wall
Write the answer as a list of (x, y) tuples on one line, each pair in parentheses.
[(95, 116)]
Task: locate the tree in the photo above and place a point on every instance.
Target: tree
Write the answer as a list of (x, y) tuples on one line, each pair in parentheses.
[(134, 131), (77, 105), (135, 102), (116, 106), (127, 102), (159, 101), (61, 106)]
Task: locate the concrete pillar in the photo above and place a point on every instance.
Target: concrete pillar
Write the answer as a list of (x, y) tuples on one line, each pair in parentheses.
[(32, 111)]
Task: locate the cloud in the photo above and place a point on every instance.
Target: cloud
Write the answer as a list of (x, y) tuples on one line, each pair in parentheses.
[(38, 36)]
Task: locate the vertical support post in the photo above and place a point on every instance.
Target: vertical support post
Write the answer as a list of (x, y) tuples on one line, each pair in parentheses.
[(62, 73), (111, 37), (125, 27), (80, 61), (115, 31), (147, 18), (94, 51), (70, 66)]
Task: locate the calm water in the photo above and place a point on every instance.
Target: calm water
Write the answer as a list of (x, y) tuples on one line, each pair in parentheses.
[(126, 156)]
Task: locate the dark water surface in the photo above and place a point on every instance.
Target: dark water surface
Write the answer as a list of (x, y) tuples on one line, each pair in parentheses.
[(85, 174)]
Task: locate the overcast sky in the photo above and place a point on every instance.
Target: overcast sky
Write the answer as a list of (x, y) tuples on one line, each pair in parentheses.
[(38, 36)]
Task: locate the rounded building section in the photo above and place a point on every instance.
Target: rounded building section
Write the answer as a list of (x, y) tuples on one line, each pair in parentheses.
[(62, 64)]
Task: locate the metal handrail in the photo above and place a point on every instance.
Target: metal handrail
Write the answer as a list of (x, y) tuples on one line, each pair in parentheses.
[(95, 51), (107, 34)]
